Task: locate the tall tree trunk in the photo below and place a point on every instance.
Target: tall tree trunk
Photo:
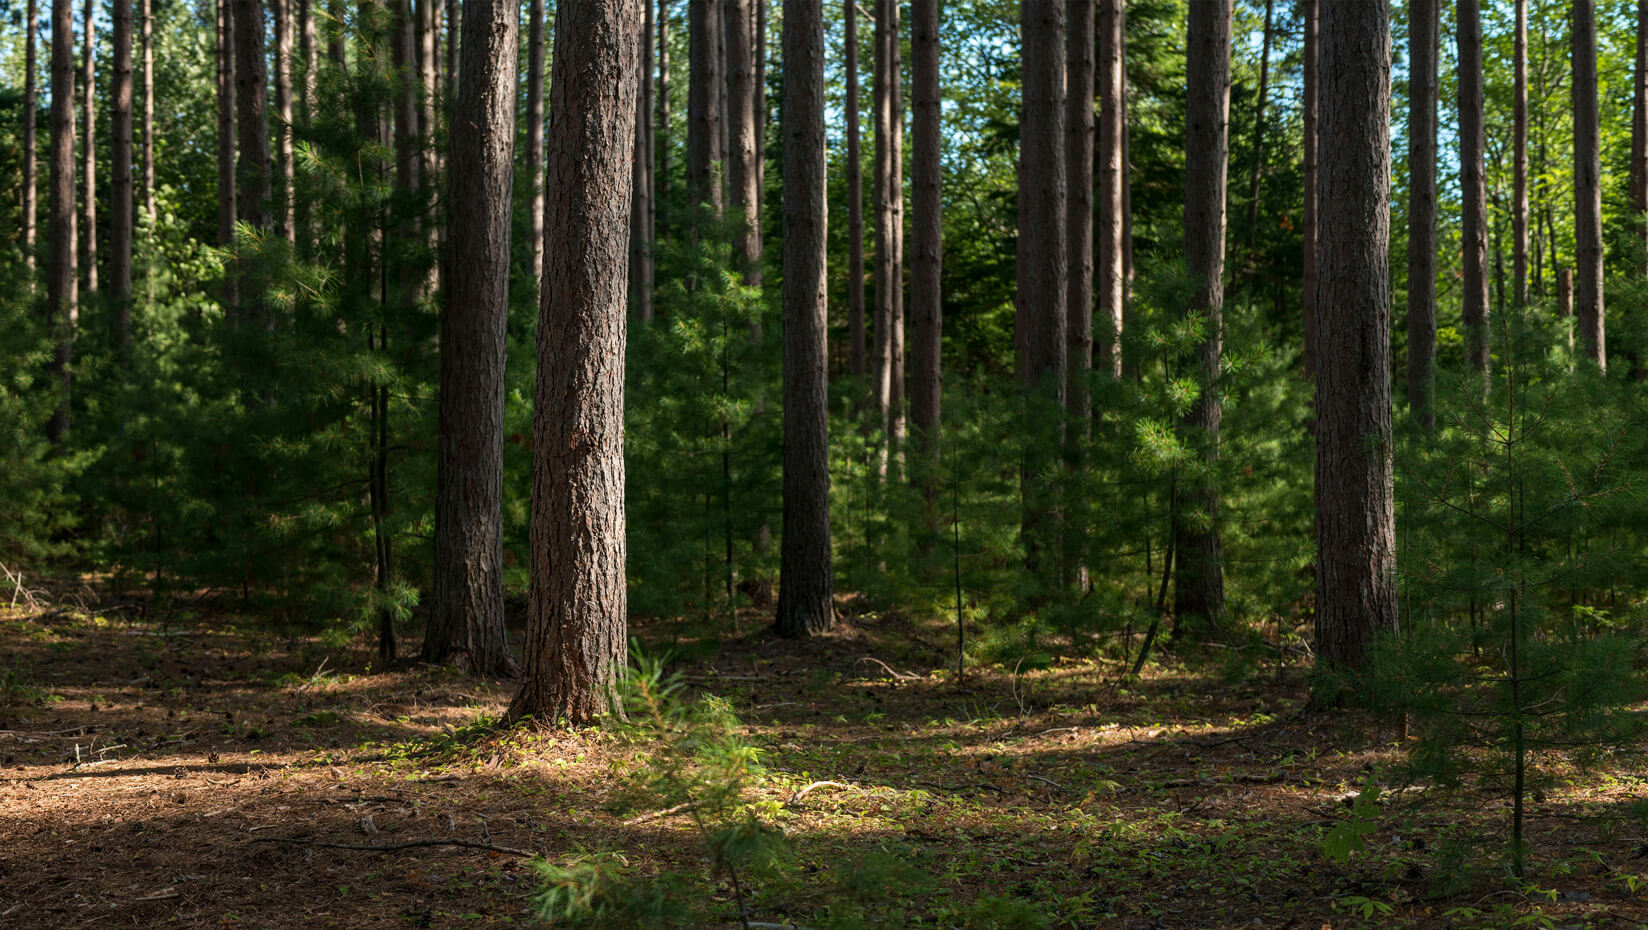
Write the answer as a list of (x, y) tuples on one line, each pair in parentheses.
[(641, 209), (895, 204), (1259, 132), (62, 295), (226, 149), (805, 596), (762, 108), (1079, 138), (1312, 132), (1130, 367), (742, 176), (535, 135), (1043, 267), (454, 42), (88, 147), (252, 175), (1639, 117), (1112, 168), (888, 192), (662, 180), (1588, 303), (120, 163), (575, 646), (858, 363), (466, 620), (309, 53), (1198, 581), (1474, 188), (1356, 533), (1565, 302), (927, 238), (148, 113), (705, 88), (1519, 155), (285, 198), (1424, 31), (30, 145)]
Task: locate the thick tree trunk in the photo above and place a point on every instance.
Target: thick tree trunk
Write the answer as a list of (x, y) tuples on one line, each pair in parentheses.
[(575, 648), (805, 595), (535, 135), (1259, 132), (1198, 581), (285, 196), (926, 267), (744, 151), (30, 144), (1043, 268), (1078, 225), (148, 113), (466, 620), (1588, 303), (1519, 156), (226, 150), (120, 164), (62, 286), (1312, 131), (641, 210), (705, 88), (252, 175), (1112, 170), (1356, 535), (858, 364), (88, 148), (1424, 30), (1474, 189)]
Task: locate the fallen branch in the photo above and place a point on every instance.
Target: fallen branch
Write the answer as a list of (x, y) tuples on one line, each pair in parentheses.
[(658, 815), (393, 847), (794, 798), (901, 676)]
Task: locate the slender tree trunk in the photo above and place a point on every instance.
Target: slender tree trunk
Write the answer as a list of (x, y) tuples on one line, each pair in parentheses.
[(1043, 268), (762, 109), (805, 596), (466, 620), (662, 181), (1588, 303), (454, 42), (535, 134), (148, 113), (1198, 581), (888, 193), (743, 179), (858, 364), (62, 295), (226, 150), (1639, 118), (1474, 193), (1130, 367), (120, 164), (896, 400), (1565, 303), (641, 209), (88, 148), (927, 237), (309, 53), (285, 196), (1259, 132), (1079, 138), (1424, 30), (1519, 155), (1112, 169), (705, 87), (252, 175), (1312, 131), (30, 145), (1356, 534), (575, 646)]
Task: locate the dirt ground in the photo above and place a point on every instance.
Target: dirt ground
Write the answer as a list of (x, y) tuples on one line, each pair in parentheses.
[(188, 774)]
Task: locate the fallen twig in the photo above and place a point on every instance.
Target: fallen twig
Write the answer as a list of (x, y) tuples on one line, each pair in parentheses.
[(901, 676), (794, 798), (393, 847), (658, 815), (162, 896)]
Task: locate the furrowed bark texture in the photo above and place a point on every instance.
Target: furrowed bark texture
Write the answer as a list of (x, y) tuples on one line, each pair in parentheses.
[(62, 286), (705, 89), (1198, 580), (1424, 30), (285, 193), (805, 595), (743, 180), (1356, 536), (1588, 303), (88, 147), (575, 647), (927, 238), (1080, 36), (466, 620), (535, 133), (1112, 171)]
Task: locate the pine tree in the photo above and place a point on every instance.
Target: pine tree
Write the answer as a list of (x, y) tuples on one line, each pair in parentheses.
[(1424, 31), (120, 159), (858, 364), (1473, 183), (927, 239), (1588, 302), (62, 293)]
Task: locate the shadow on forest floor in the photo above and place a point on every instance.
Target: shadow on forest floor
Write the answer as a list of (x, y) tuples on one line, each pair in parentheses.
[(144, 770)]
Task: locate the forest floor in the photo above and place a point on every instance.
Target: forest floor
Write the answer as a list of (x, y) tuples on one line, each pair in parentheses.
[(185, 774)]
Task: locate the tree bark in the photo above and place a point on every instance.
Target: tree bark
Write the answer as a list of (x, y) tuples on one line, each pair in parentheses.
[(1588, 302), (252, 175), (1043, 267), (1424, 30), (858, 364), (662, 181), (88, 147), (1356, 535), (285, 195), (641, 210), (535, 135), (705, 86), (743, 179), (1078, 225), (1308, 226), (1198, 581), (148, 113), (226, 150), (30, 144), (1259, 132), (888, 193), (120, 164), (575, 648), (927, 237), (1565, 302), (1474, 189), (1519, 156), (466, 620), (62, 293), (805, 596), (1112, 169)]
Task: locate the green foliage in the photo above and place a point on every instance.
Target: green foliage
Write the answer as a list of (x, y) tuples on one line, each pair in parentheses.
[(1349, 835)]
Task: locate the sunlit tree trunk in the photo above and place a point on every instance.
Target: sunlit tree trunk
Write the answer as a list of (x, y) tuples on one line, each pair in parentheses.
[(927, 239), (535, 134), (1424, 30), (226, 149), (88, 148), (285, 197), (62, 286), (742, 176), (705, 88), (30, 144), (1588, 303), (641, 209), (1519, 156), (1474, 189), (887, 389), (1308, 225), (120, 188), (1112, 172), (575, 646), (148, 112), (805, 597)]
